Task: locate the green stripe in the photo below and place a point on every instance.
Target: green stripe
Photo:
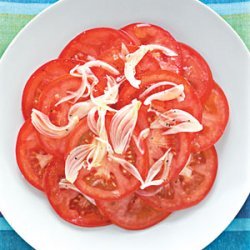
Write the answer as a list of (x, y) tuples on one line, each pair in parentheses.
[(241, 24), (10, 25)]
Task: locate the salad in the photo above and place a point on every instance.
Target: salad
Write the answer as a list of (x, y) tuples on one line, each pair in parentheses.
[(121, 127)]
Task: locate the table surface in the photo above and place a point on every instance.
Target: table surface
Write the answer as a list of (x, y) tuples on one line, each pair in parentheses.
[(14, 14)]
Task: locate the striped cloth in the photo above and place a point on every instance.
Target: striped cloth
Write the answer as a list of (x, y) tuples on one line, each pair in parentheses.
[(14, 14)]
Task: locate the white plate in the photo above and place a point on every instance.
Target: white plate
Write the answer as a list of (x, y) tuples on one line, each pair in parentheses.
[(27, 210)]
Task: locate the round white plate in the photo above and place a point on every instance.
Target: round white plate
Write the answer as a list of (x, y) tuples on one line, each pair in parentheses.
[(189, 21)]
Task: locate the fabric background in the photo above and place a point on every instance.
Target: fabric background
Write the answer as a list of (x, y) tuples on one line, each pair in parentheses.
[(14, 14)]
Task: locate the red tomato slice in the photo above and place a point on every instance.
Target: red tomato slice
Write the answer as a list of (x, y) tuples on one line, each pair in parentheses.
[(190, 104), (69, 204), (132, 212), (99, 43), (158, 144), (57, 114), (190, 188), (214, 120), (110, 181), (32, 158), (152, 34), (41, 78), (196, 71)]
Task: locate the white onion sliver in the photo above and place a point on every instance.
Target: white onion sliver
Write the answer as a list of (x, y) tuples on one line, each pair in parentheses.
[(164, 161), (122, 126), (142, 136), (175, 92), (74, 161), (64, 184), (134, 58), (85, 72), (185, 122), (44, 126)]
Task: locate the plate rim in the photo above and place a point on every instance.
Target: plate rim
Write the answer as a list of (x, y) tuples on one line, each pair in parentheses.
[(53, 6)]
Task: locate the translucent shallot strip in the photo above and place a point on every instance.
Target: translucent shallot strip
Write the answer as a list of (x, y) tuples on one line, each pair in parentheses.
[(122, 126), (142, 136), (88, 78), (44, 126), (134, 58), (146, 193), (186, 171), (175, 121), (74, 161), (124, 52), (176, 92), (64, 184), (165, 162)]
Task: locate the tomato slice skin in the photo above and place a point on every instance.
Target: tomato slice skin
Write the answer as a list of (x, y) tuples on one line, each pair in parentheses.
[(132, 212), (43, 76), (184, 191), (58, 115), (98, 43), (69, 204), (152, 34), (197, 71), (214, 120), (30, 155)]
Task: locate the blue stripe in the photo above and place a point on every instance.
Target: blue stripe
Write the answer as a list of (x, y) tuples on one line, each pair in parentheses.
[(239, 225), (22, 8), (245, 210), (231, 9), (9, 240), (231, 241), (4, 226), (223, 1)]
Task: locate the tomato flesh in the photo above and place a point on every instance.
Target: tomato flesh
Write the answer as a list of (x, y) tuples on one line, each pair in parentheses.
[(190, 104), (214, 120), (196, 71), (187, 190), (40, 79), (132, 212), (110, 181), (69, 204), (152, 34), (100, 43), (32, 158), (57, 114)]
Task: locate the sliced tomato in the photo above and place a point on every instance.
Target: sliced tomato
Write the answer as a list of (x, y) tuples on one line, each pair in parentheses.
[(196, 71), (99, 43), (80, 135), (214, 120), (152, 34), (41, 78), (158, 144), (191, 186), (132, 212), (190, 104), (32, 158), (110, 181), (57, 114), (69, 204)]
